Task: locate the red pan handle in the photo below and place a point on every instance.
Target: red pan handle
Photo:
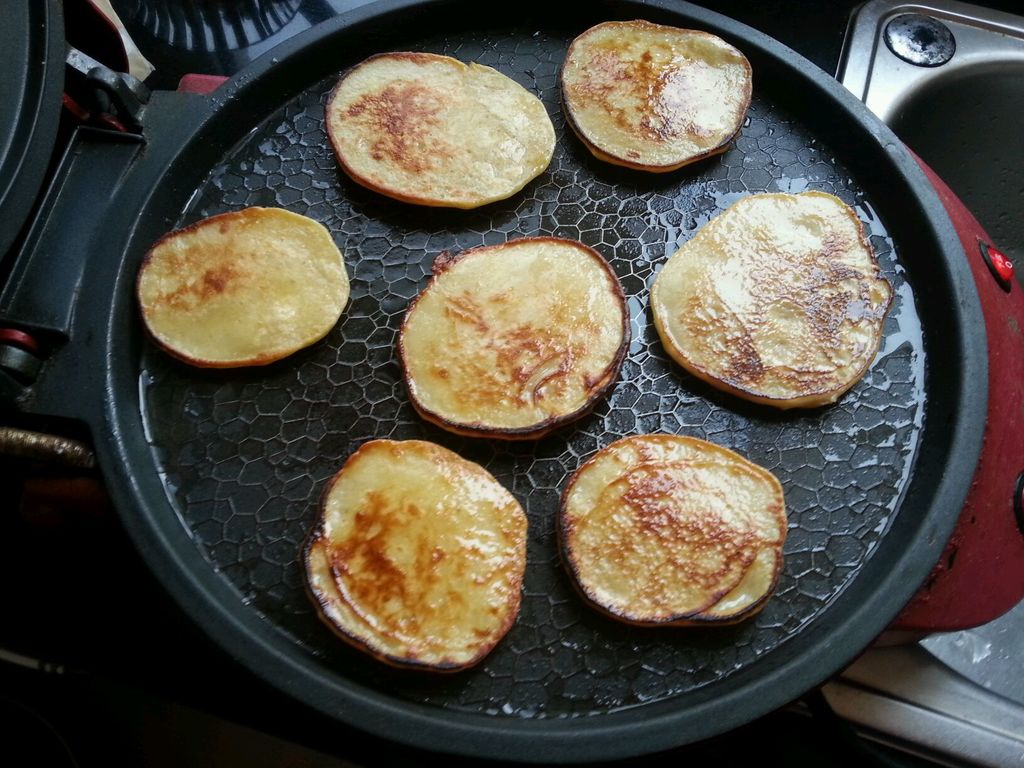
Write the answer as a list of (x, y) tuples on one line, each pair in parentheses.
[(202, 84), (980, 575)]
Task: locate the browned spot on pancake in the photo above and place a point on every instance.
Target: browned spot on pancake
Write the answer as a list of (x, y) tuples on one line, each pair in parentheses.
[(532, 358), (444, 260), (527, 361), (401, 116), (720, 332), (660, 94), (656, 499), (521, 349), (651, 496), (825, 300), (827, 312), (605, 68), (745, 364), (374, 585), (607, 72), (213, 282), (216, 280), (834, 244), (464, 309)]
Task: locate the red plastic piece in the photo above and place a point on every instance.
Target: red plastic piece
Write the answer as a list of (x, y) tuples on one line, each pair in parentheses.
[(19, 339), (980, 575), (1002, 265), (203, 84), (76, 110)]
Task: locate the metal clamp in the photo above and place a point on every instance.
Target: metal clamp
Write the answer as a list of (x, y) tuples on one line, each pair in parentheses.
[(127, 95)]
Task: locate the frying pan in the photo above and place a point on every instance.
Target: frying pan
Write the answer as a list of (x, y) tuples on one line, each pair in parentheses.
[(217, 473)]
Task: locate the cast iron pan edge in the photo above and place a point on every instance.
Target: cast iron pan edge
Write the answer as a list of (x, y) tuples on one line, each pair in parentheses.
[(856, 617), (31, 96)]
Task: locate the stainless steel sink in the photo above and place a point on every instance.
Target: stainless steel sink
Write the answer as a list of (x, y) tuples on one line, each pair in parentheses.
[(948, 78), (964, 117)]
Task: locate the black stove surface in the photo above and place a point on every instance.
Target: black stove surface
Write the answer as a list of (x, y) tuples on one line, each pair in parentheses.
[(219, 38)]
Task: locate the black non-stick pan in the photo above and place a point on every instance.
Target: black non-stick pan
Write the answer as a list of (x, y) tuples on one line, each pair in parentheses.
[(32, 60), (217, 474)]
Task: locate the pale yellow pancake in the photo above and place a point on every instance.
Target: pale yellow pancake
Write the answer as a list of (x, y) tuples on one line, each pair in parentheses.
[(431, 130), (652, 97), (778, 300), (670, 530), (418, 557), (242, 288), (749, 596), (511, 341)]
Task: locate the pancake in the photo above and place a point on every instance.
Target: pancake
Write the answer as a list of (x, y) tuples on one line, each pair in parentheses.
[(652, 97), (431, 130), (778, 300), (242, 288), (670, 530), (749, 596), (418, 556), (511, 341)]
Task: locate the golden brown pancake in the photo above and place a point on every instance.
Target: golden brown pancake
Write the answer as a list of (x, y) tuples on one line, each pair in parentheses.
[(431, 130), (652, 97), (242, 288), (418, 557), (749, 596), (778, 300), (513, 340), (670, 530)]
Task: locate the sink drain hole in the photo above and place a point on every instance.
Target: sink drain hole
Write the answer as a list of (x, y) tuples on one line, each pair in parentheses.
[(920, 40)]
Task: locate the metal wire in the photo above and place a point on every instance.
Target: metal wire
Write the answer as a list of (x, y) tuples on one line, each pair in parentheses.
[(52, 449)]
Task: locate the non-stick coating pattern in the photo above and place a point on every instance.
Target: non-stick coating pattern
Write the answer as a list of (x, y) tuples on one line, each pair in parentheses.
[(246, 453)]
